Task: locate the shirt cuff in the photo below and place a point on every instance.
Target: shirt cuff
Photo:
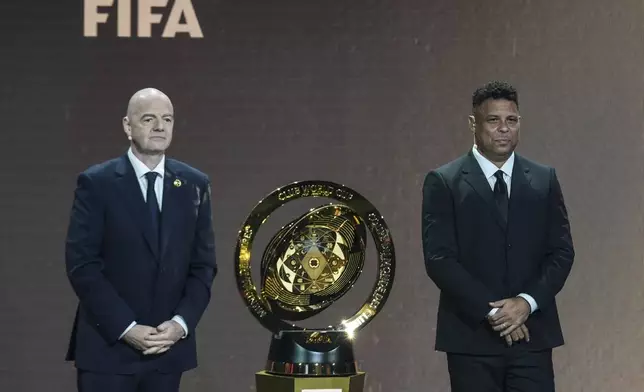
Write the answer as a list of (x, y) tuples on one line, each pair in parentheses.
[(181, 322), (531, 301), (127, 329)]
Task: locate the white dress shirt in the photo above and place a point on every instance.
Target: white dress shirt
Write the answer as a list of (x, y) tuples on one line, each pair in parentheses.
[(140, 170), (489, 169)]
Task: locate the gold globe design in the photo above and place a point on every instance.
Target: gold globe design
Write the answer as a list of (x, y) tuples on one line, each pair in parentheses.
[(313, 261)]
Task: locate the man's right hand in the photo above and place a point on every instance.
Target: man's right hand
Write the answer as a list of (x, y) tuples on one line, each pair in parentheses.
[(520, 333), (135, 337)]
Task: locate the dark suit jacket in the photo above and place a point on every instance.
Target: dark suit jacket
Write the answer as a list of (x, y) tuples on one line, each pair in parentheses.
[(119, 278), (474, 258)]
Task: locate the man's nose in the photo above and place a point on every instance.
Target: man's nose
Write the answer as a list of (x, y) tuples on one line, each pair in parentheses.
[(159, 126)]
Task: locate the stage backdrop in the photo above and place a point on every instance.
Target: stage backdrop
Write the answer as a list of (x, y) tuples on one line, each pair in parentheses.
[(369, 93)]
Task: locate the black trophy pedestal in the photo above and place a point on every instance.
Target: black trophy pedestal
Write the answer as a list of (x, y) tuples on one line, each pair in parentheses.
[(311, 353)]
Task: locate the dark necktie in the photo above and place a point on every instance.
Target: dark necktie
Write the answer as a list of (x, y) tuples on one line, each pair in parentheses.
[(501, 195), (153, 206)]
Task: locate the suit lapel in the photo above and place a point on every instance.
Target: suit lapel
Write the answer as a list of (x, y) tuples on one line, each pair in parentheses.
[(521, 178), (474, 176), (129, 187), (173, 188)]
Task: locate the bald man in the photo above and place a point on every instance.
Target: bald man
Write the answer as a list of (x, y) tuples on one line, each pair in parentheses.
[(140, 256)]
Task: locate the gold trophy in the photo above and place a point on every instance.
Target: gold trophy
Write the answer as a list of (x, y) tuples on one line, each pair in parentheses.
[(308, 265)]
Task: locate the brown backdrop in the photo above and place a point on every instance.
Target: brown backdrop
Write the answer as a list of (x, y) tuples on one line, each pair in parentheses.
[(368, 93)]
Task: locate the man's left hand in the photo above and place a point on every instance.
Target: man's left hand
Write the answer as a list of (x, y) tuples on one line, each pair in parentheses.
[(511, 314), (168, 330)]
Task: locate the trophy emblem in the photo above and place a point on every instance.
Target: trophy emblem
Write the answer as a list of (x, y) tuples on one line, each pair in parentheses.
[(309, 264)]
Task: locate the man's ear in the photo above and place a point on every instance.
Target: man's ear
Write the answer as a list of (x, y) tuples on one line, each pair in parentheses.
[(472, 123), (126, 127)]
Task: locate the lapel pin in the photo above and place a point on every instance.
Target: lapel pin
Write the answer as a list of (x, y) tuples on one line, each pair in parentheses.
[(177, 183)]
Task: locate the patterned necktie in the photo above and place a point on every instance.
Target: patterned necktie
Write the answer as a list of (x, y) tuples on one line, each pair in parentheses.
[(501, 195)]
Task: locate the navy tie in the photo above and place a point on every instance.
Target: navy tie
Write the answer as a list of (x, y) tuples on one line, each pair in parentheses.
[(501, 195), (153, 206)]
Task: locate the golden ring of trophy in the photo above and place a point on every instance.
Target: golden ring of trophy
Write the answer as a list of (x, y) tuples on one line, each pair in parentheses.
[(310, 263)]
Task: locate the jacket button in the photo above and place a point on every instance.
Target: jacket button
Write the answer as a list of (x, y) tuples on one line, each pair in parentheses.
[(509, 246)]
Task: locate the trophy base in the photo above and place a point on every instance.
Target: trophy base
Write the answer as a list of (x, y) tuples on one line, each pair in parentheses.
[(267, 382), (311, 353)]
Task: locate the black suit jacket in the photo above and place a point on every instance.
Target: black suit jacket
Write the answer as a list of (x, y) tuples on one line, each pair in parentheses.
[(475, 258), (119, 278)]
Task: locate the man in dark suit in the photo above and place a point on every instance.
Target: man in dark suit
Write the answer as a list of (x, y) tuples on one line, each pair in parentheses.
[(140, 256), (497, 243)]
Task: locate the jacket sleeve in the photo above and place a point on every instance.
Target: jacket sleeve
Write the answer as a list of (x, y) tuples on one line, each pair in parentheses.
[(441, 253), (108, 311), (559, 252), (203, 268)]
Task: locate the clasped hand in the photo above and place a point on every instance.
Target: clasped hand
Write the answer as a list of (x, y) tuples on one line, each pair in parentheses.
[(509, 319), (152, 340)]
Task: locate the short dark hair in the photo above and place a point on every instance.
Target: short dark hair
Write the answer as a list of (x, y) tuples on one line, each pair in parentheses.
[(494, 90)]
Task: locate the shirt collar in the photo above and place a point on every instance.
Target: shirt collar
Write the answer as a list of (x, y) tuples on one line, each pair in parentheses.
[(139, 167), (490, 168)]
